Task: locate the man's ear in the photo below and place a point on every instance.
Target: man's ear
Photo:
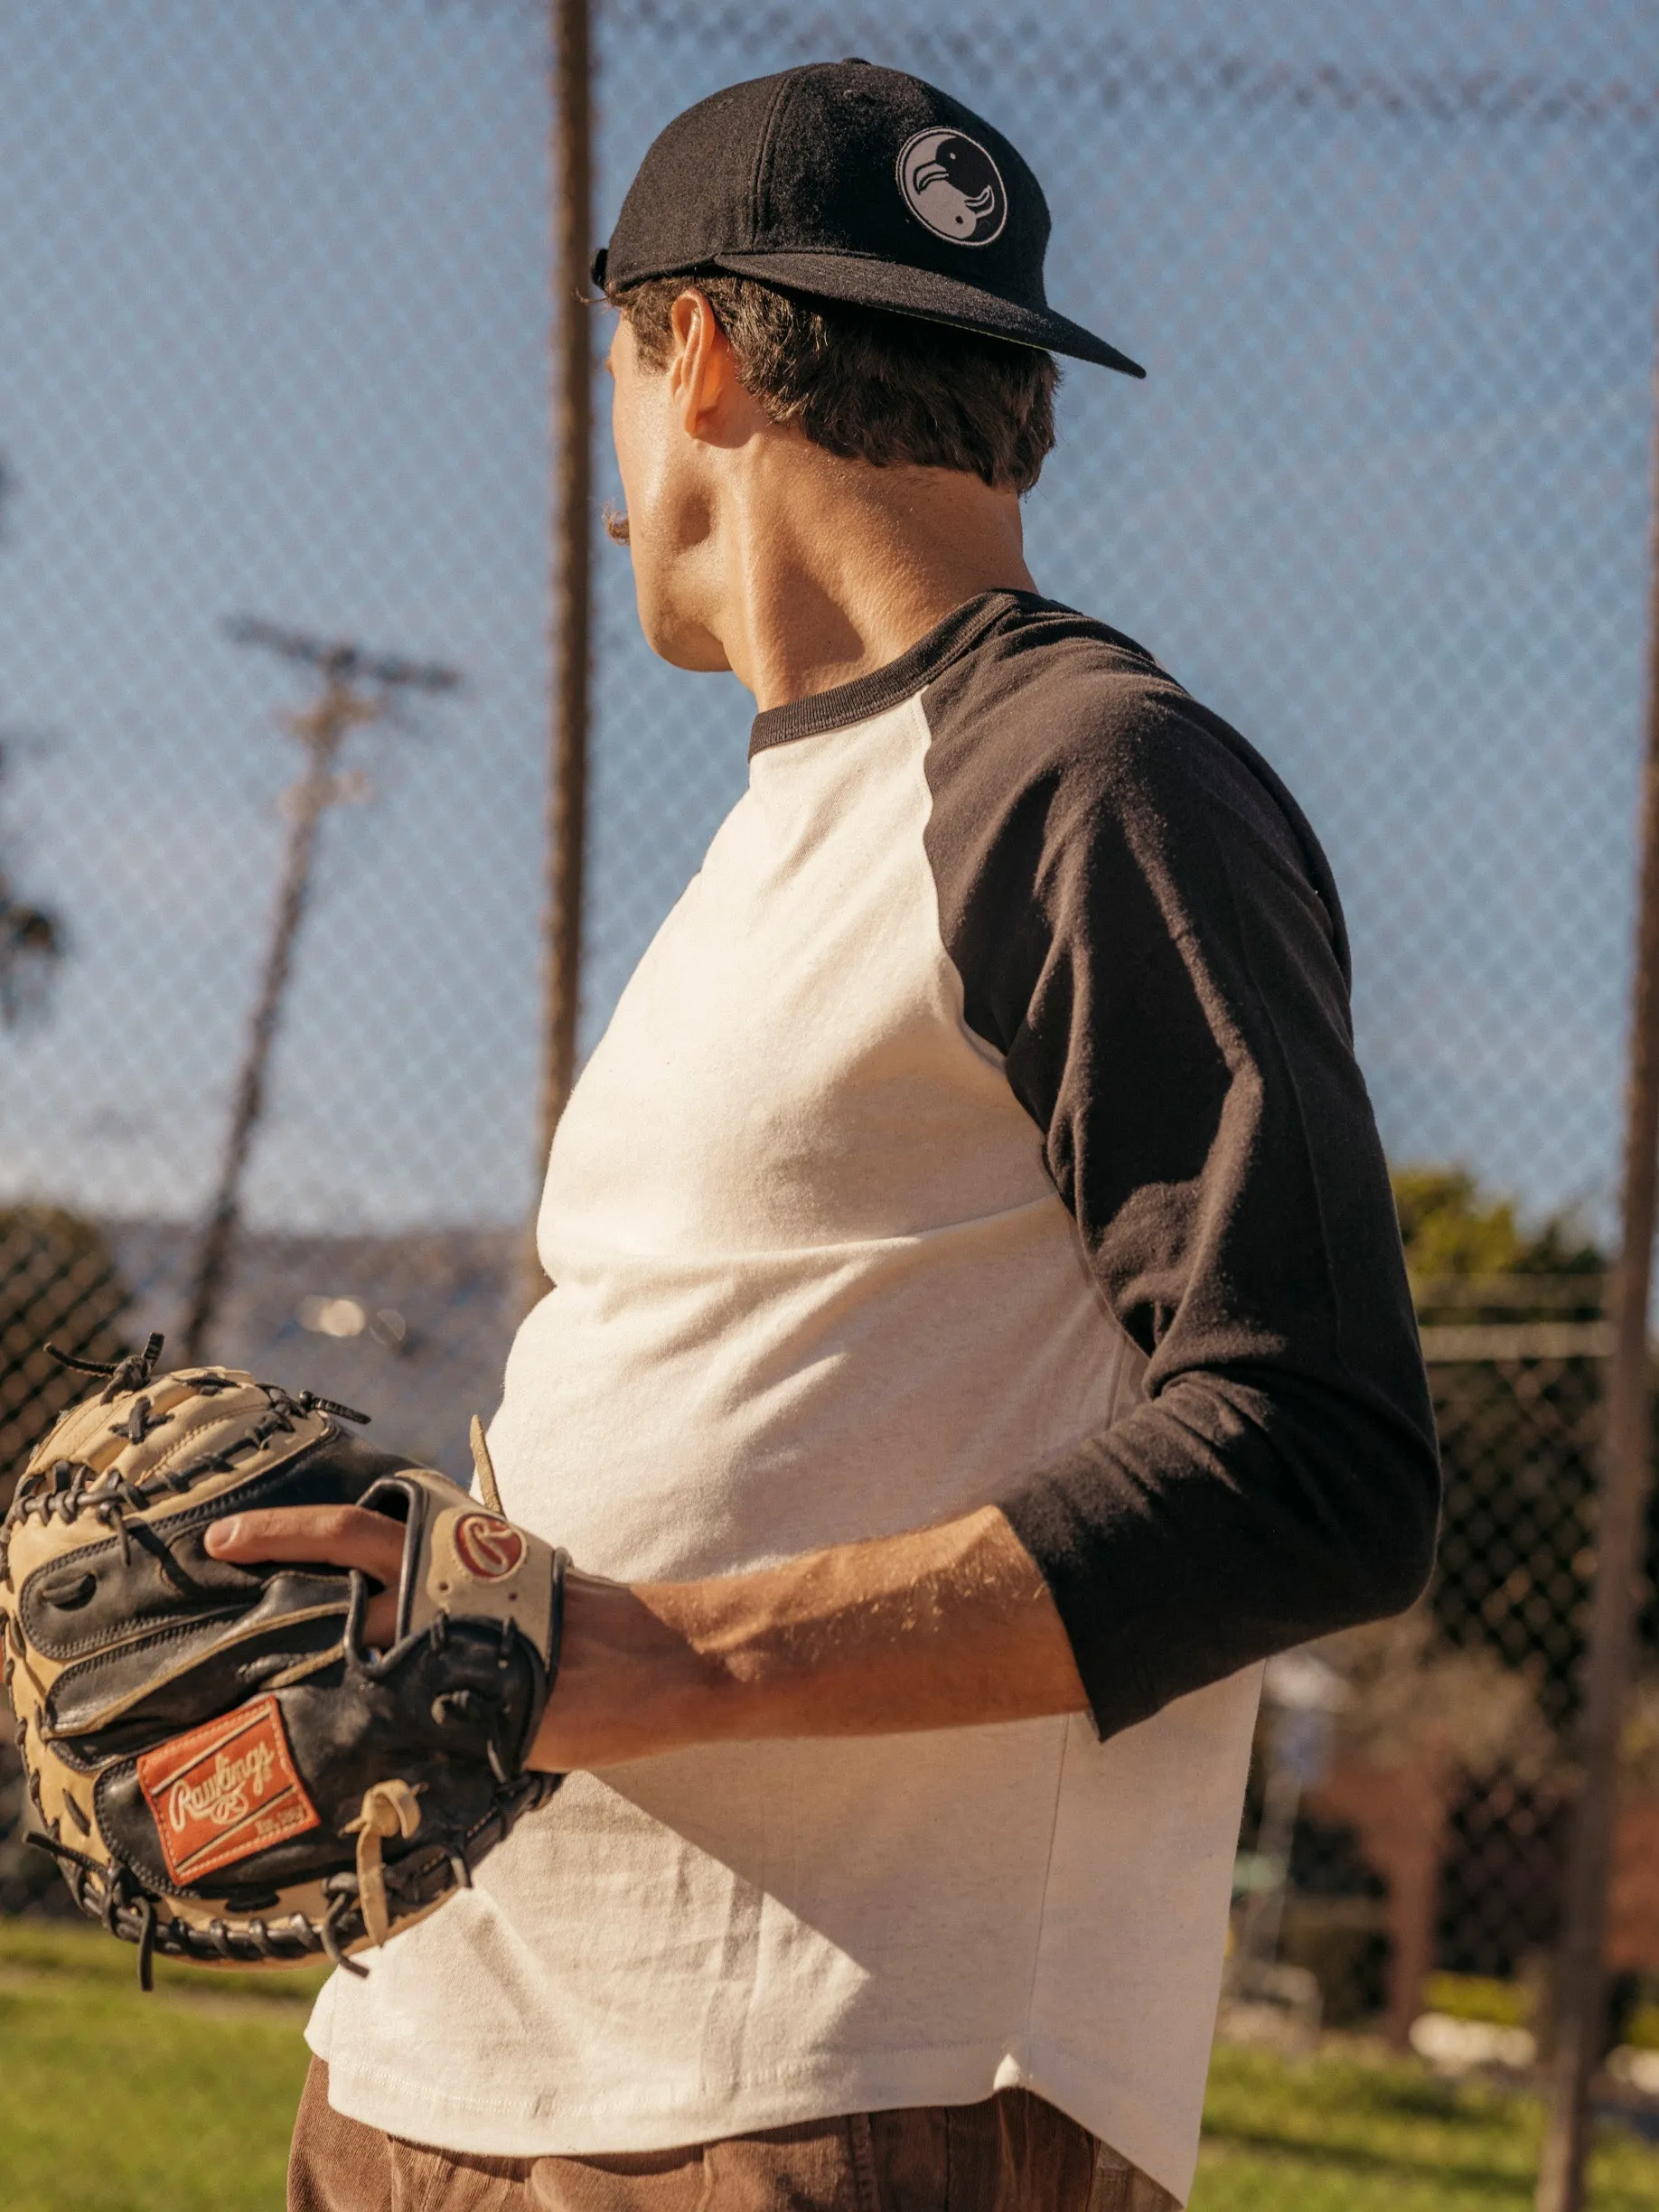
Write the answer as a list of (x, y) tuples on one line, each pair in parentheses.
[(703, 370)]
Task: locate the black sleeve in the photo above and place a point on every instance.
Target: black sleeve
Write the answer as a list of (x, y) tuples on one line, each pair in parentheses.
[(1146, 930)]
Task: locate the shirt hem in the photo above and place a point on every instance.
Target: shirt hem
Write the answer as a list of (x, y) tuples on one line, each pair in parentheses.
[(653, 2117)]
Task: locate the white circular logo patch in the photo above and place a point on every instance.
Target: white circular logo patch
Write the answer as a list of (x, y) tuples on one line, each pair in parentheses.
[(953, 185), (488, 1548)]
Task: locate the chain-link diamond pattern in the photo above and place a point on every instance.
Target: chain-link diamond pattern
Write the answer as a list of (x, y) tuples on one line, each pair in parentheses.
[(277, 346)]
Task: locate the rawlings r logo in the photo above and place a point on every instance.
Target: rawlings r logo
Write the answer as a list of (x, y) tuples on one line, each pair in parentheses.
[(225, 1791), (488, 1549)]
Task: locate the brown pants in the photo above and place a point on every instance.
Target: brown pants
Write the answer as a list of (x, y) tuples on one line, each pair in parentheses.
[(1012, 2153)]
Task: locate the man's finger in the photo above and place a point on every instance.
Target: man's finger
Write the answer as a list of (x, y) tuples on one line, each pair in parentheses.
[(380, 1621), (326, 1535)]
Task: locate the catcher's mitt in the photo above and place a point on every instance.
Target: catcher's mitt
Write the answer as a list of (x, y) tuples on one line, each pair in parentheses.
[(224, 1770)]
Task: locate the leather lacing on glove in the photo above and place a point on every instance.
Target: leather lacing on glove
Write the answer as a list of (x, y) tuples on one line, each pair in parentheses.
[(359, 1901), (69, 1490)]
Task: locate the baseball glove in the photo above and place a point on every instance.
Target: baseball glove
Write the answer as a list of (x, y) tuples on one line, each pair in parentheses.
[(224, 1770)]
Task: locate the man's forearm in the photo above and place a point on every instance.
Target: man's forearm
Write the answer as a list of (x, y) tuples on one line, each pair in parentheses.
[(942, 1628)]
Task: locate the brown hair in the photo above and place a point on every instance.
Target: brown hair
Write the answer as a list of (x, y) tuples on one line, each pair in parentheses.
[(887, 389)]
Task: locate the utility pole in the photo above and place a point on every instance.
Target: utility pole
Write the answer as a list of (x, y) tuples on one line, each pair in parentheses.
[(1580, 2008), (356, 687), (569, 611)]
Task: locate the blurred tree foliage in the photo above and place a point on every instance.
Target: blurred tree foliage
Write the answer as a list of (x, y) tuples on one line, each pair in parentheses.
[(1519, 1420), (1414, 1699), (59, 1281), (1451, 1227)]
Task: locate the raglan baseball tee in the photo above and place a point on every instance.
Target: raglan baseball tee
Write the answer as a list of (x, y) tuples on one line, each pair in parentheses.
[(982, 1125)]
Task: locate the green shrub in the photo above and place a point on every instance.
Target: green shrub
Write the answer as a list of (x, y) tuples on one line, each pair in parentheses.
[(1476, 1997)]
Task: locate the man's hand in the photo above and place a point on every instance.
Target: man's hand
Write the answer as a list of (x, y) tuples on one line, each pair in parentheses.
[(943, 1627), (327, 1536)]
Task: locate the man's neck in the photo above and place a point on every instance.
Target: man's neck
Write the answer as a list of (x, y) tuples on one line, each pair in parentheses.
[(829, 569)]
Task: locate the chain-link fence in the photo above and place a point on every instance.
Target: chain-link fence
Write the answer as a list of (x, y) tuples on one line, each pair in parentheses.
[(277, 283), (277, 348)]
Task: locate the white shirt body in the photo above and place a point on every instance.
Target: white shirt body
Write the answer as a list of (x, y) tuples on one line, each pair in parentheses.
[(813, 1284)]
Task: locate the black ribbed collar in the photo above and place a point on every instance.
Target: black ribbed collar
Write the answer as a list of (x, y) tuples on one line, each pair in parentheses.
[(840, 708)]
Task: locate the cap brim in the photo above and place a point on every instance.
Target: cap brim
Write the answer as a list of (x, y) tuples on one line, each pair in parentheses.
[(866, 282)]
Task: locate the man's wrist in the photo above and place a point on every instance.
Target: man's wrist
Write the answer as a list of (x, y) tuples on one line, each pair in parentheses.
[(630, 1683)]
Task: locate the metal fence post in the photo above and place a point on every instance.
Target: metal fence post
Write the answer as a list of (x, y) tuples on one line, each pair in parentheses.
[(1580, 1988), (570, 597)]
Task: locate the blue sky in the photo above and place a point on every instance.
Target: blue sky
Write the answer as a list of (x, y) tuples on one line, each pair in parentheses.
[(276, 340)]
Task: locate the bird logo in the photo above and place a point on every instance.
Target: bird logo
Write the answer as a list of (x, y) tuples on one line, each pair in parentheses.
[(952, 185)]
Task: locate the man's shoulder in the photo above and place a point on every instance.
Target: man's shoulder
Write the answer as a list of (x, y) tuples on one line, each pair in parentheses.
[(1046, 670), (1059, 709)]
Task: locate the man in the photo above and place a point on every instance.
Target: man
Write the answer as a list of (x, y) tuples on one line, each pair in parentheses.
[(981, 1333)]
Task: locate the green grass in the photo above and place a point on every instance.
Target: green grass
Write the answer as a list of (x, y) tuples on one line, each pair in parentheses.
[(182, 2102), (1356, 2132), (114, 2101)]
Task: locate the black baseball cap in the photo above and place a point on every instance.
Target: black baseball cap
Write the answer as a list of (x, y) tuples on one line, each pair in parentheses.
[(851, 182)]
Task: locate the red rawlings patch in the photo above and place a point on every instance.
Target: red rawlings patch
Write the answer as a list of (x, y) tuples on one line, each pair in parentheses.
[(225, 1791), (488, 1548)]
